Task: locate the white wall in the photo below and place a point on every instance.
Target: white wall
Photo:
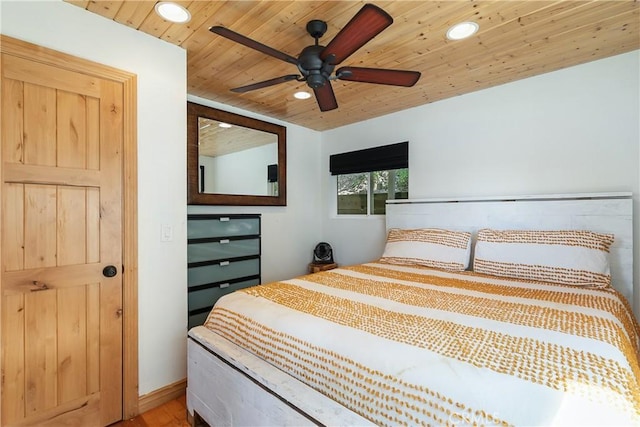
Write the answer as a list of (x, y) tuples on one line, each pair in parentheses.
[(572, 131), (161, 72), (289, 233)]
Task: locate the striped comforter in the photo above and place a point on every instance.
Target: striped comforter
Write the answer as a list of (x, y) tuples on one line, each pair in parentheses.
[(404, 345)]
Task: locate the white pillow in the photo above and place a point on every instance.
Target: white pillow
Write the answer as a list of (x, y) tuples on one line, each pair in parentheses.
[(430, 247), (572, 257)]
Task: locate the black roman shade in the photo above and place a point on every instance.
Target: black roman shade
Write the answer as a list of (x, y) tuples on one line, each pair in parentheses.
[(387, 157)]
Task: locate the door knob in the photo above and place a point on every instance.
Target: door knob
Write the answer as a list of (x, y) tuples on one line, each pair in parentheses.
[(109, 271)]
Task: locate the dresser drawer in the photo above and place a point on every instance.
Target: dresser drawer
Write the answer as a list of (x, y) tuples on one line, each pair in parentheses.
[(224, 249), (223, 271), (207, 297), (202, 300), (222, 227)]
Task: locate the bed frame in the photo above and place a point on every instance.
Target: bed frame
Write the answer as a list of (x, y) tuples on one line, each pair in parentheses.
[(229, 386)]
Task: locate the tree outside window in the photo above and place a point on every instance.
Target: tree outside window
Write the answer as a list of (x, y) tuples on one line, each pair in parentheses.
[(366, 193)]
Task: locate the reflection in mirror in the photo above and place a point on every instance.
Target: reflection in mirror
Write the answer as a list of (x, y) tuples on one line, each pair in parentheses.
[(232, 151), (233, 159)]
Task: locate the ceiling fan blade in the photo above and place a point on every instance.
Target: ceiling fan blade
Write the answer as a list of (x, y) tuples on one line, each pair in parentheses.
[(239, 38), (265, 83), (365, 25), (379, 76), (325, 97)]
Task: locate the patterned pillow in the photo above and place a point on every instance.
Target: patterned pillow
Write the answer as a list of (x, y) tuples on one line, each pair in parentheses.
[(571, 257), (430, 247)]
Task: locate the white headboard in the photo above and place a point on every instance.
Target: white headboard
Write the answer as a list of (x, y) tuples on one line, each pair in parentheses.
[(602, 212)]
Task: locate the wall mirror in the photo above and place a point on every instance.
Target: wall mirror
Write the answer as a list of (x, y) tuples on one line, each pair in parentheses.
[(234, 160)]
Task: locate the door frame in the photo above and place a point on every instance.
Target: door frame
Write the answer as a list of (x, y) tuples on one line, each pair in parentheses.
[(22, 49)]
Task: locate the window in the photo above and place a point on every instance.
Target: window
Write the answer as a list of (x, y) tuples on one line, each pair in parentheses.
[(366, 179), (366, 193)]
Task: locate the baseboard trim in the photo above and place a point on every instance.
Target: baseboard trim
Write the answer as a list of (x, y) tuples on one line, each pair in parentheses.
[(161, 396)]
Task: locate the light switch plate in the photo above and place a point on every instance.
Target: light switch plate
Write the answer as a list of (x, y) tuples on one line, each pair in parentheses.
[(166, 235)]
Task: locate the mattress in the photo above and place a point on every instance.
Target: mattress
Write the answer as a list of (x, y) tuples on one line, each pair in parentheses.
[(403, 345)]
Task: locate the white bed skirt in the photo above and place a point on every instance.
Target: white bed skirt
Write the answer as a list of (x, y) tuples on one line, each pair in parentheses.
[(229, 386)]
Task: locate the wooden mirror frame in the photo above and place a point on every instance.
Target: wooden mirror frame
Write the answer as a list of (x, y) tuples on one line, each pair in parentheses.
[(194, 196)]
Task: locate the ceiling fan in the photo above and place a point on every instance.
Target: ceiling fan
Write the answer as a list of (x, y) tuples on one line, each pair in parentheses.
[(316, 63)]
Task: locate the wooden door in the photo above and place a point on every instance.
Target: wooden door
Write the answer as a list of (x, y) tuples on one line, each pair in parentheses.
[(62, 141)]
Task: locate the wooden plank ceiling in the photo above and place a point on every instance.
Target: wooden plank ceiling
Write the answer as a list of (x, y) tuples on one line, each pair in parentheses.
[(517, 39)]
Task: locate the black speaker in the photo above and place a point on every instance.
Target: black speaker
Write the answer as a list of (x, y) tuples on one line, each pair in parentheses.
[(272, 173)]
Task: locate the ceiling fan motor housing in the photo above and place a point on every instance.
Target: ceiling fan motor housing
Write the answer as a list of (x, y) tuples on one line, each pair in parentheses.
[(315, 71)]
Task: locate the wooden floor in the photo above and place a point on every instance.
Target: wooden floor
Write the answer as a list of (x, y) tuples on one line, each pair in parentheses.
[(171, 414)]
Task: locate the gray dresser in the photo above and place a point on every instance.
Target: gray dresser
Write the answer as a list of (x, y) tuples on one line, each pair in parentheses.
[(223, 253)]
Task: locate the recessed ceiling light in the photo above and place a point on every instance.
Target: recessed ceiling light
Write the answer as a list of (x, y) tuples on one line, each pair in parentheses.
[(224, 125), (302, 95), (173, 12), (462, 30)]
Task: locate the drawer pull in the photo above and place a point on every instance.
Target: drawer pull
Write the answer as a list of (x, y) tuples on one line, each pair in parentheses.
[(224, 241), (224, 219), (224, 263), (224, 285)]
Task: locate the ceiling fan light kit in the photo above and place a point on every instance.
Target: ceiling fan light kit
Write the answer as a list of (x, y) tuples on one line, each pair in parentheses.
[(316, 63)]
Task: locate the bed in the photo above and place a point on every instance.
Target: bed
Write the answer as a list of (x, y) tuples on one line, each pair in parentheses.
[(463, 320)]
